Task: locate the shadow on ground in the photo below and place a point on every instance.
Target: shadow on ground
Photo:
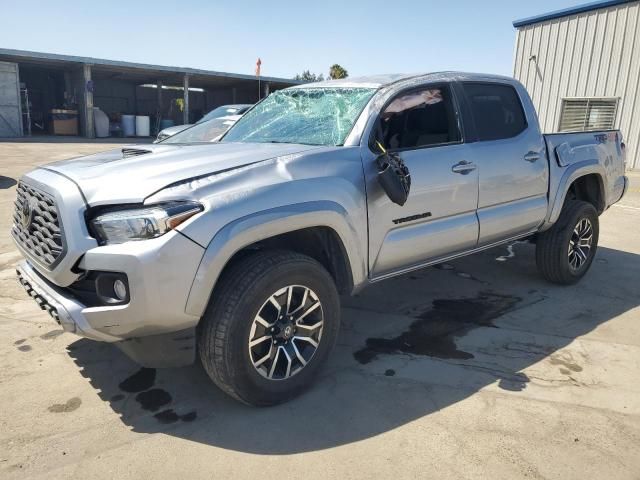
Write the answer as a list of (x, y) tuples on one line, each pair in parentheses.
[(425, 320), (6, 182)]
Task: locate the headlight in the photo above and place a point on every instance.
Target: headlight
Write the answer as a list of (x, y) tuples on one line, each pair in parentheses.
[(142, 224)]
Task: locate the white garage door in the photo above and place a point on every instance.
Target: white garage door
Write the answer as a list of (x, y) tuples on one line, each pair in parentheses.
[(10, 121)]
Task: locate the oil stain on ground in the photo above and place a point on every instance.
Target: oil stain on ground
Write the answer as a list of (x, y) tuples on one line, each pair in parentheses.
[(24, 348), (142, 380), (71, 405), (435, 330), (153, 399), (170, 416), (51, 334)]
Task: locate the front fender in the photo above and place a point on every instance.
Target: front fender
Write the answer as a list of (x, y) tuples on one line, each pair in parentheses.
[(265, 224)]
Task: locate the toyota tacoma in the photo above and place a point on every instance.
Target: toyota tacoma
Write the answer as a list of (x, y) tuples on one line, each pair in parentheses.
[(235, 251)]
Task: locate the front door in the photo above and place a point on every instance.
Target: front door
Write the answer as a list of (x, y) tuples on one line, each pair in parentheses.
[(439, 217)]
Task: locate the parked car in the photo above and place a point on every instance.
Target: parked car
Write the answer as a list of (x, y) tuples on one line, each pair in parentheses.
[(207, 131), (236, 251), (223, 111)]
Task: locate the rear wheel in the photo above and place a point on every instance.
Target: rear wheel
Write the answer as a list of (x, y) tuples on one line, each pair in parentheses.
[(269, 327), (565, 252)]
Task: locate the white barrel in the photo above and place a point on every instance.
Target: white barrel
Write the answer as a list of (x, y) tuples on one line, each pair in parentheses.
[(129, 125), (101, 123), (143, 126)]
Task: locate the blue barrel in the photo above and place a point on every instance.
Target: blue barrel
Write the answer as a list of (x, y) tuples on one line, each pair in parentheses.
[(166, 124)]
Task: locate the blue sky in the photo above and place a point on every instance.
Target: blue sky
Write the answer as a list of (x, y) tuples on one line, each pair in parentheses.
[(290, 36)]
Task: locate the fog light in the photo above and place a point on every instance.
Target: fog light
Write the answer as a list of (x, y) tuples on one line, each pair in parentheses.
[(120, 289)]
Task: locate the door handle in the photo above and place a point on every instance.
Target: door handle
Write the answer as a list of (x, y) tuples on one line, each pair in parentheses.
[(531, 156), (463, 167)]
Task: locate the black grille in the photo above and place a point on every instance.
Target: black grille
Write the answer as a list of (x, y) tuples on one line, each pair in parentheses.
[(37, 227)]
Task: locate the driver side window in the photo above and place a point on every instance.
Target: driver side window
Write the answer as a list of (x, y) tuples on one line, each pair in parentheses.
[(418, 118)]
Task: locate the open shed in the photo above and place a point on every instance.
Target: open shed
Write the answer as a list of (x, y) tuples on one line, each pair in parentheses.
[(62, 83)]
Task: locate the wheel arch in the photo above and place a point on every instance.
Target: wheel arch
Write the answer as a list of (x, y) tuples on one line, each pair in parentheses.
[(320, 230), (588, 188), (580, 181)]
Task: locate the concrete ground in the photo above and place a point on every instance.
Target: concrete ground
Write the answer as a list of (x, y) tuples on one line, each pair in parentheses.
[(508, 377)]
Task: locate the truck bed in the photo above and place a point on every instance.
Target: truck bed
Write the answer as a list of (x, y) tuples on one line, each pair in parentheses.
[(602, 151)]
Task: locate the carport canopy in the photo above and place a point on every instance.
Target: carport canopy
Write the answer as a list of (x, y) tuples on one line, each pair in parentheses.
[(83, 70)]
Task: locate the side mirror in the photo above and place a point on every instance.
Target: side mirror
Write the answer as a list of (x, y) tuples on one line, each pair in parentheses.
[(393, 176)]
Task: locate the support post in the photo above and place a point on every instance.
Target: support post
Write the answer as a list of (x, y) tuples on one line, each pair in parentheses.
[(159, 95), (185, 112), (68, 87), (87, 107), (267, 88), (159, 109)]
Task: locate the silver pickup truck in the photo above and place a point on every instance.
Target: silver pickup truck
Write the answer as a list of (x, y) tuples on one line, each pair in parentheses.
[(236, 251)]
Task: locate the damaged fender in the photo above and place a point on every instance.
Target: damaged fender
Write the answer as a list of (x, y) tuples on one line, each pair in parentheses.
[(266, 224)]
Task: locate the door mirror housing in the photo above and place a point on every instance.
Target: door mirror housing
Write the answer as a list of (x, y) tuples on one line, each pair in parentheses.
[(393, 176)]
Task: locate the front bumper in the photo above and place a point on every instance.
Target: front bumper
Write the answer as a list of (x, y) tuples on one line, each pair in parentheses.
[(160, 274), (66, 311)]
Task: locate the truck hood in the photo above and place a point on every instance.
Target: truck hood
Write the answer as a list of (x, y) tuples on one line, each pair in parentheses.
[(132, 173)]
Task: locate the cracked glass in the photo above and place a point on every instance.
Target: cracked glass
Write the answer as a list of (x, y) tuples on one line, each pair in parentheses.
[(310, 116)]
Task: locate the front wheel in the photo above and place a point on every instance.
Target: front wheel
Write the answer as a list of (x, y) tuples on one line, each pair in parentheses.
[(565, 252), (269, 327)]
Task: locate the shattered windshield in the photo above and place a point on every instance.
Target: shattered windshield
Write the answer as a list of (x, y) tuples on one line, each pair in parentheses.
[(312, 116)]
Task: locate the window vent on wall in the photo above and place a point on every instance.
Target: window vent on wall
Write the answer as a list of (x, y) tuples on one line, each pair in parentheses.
[(584, 114)]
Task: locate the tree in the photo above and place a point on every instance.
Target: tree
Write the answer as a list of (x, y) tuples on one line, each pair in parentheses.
[(336, 71), (307, 76)]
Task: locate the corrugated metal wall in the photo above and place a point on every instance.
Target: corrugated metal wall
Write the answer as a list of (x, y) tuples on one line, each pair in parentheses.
[(10, 113), (592, 54)]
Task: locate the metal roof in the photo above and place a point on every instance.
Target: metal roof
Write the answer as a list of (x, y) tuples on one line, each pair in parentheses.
[(11, 55), (587, 7)]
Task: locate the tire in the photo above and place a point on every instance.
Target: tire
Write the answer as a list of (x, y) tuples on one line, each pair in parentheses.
[(230, 323), (554, 247)]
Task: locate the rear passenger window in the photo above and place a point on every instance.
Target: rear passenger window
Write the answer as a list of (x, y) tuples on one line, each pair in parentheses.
[(496, 109), (418, 118)]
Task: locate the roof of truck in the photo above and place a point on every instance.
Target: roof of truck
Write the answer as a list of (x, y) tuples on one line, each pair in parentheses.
[(378, 81)]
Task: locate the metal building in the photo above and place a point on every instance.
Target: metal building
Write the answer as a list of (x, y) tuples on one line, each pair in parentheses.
[(34, 85), (581, 66)]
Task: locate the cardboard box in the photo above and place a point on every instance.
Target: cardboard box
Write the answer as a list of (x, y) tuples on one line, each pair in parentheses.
[(64, 122)]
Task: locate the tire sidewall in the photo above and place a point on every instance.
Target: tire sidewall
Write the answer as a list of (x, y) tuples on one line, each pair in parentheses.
[(247, 380), (583, 210)]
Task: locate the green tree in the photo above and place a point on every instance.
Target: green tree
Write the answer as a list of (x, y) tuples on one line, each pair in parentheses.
[(307, 76), (336, 71)]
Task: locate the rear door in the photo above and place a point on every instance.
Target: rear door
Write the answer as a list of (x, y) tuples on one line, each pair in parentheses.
[(511, 158), (422, 125)]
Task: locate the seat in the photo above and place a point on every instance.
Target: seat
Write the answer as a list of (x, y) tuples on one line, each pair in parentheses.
[(426, 125)]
